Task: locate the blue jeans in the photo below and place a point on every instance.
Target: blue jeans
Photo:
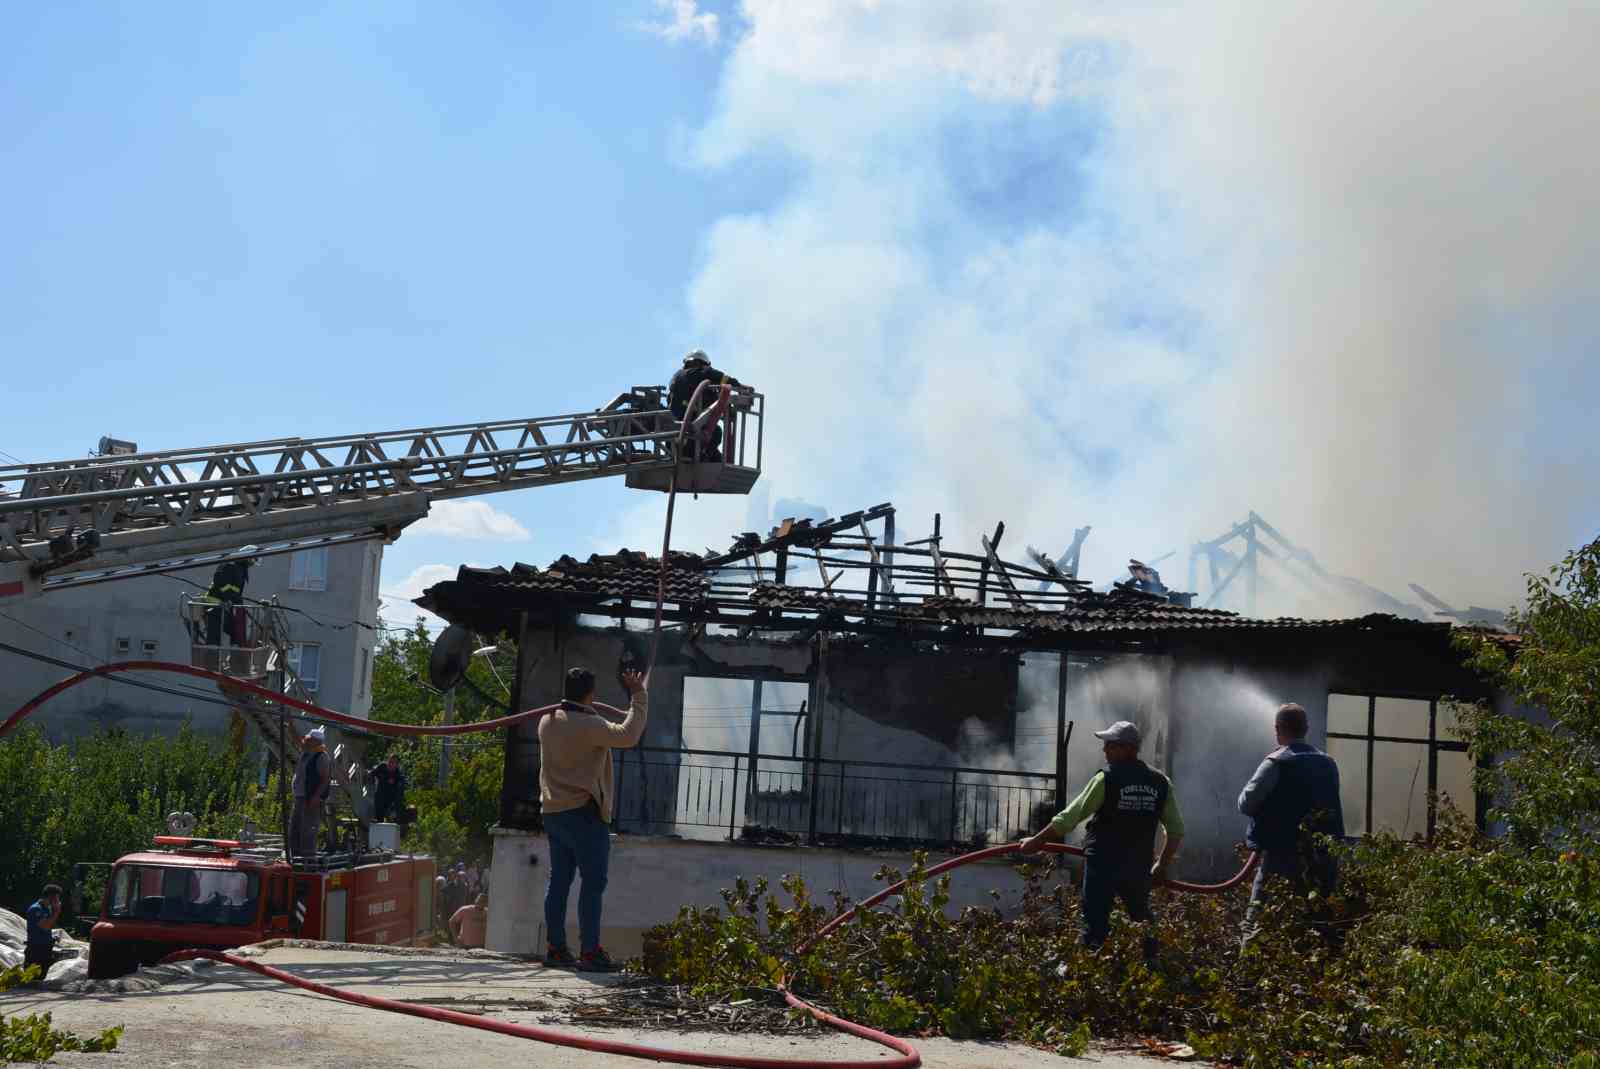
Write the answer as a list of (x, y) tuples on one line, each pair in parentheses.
[(580, 845)]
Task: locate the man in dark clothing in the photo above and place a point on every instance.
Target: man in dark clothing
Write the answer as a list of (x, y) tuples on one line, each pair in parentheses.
[(1295, 791), (389, 789), (697, 369), (42, 917), (227, 587), (1124, 802), (311, 786)]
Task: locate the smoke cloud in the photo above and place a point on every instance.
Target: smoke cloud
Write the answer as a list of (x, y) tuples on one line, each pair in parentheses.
[(1149, 269)]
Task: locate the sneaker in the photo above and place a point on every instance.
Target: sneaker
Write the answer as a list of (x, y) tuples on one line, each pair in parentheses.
[(597, 960), (559, 958)]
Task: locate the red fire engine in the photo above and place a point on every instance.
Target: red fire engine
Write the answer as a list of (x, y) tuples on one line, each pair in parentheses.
[(216, 894)]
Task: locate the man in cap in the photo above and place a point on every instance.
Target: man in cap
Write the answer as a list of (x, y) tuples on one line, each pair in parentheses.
[(1123, 803), (1295, 791), (312, 783), (697, 369)]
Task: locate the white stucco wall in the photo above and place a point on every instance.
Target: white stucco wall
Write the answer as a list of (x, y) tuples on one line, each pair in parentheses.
[(652, 877)]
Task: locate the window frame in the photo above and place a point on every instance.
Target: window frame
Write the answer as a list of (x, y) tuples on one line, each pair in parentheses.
[(307, 581), (1433, 742), (297, 660)]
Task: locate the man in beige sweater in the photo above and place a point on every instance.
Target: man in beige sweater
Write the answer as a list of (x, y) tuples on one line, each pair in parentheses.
[(575, 794)]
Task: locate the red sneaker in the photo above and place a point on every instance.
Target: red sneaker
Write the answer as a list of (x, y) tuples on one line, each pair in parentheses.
[(597, 960)]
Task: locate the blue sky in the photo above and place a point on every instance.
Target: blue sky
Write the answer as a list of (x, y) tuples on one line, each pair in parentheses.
[(229, 222), (1037, 261)]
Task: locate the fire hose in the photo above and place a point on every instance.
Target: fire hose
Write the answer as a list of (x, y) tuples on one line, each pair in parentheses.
[(907, 1056)]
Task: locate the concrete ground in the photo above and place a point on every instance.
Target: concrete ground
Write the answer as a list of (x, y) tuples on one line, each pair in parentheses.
[(230, 1017)]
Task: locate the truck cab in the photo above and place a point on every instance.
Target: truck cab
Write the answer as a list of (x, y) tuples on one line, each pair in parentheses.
[(219, 894)]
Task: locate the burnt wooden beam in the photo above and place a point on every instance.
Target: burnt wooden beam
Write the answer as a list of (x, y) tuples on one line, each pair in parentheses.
[(938, 559), (1001, 575)]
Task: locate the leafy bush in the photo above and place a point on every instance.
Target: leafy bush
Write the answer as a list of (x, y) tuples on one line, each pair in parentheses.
[(31, 1039), (1447, 957)]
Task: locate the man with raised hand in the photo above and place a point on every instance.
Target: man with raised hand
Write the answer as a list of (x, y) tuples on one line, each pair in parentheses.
[(575, 795)]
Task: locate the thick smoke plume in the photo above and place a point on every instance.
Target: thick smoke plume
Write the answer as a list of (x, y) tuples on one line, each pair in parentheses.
[(1151, 269)]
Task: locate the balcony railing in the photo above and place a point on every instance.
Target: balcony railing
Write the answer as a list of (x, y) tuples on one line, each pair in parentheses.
[(709, 793)]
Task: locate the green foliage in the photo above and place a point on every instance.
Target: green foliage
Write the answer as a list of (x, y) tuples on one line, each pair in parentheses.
[(103, 795), (453, 822), (31, 1039), (1546, 777), (1477, 952), (1463, 955), (17, 975)]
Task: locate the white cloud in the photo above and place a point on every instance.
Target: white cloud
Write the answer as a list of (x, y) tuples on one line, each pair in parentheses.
[(682, 20), (396, 608), (1327, 264), (476, 520)]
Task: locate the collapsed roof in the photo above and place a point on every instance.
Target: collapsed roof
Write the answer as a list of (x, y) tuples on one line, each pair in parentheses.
[(865, 584)]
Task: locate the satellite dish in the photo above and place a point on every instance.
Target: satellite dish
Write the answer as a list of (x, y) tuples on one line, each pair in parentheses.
[(452, 652)]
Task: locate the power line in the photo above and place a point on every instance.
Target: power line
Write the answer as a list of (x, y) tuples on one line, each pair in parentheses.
[(197, 692), (45, 658)]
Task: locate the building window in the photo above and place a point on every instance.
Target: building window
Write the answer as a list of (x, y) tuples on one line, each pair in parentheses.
[(305, 661), (366, 671), (124, 646), (150, 646), (308, 569), (1396, 756)]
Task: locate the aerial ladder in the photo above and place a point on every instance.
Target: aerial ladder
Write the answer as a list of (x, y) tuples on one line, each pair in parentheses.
[(98, 519)]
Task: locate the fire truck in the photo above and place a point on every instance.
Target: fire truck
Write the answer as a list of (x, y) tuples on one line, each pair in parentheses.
[(215, 894)]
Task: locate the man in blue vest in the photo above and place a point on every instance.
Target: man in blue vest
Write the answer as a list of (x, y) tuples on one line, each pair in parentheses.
[(1294, 791), (42, 918), (1123, 802)]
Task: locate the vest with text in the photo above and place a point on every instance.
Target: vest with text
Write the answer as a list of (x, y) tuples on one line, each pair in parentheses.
[(1123, 829)]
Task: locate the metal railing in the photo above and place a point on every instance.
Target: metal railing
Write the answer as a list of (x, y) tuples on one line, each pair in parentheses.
[(825, 800)]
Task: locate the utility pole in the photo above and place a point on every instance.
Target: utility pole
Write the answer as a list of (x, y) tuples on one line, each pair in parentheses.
[(444, 749)]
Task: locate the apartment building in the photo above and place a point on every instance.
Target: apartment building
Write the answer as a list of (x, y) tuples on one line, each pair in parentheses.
[(331, 600)]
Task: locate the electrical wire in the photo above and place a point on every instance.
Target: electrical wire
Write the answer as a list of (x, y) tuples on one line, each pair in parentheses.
[(181, 691), (58, 663)]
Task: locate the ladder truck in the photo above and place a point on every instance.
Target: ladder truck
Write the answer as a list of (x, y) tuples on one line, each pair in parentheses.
[(78, 522)]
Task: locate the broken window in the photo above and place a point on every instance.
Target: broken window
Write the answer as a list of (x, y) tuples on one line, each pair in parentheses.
[(1398, 758)]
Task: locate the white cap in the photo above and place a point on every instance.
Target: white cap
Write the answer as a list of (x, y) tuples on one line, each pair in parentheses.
[(319, 733), (1122, 731)]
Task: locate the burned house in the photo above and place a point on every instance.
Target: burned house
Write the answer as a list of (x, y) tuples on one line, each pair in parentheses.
[(823, 689)]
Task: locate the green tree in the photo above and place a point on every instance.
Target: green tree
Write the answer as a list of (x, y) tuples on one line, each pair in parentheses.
[(1545, 776), (452, 822)]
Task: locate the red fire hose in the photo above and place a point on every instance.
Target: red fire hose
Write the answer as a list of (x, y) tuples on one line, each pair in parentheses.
[(906, 1055)]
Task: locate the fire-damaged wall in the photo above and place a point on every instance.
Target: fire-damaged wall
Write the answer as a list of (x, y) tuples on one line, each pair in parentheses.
[(924, 744), (1224, 698), (943, 695)]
